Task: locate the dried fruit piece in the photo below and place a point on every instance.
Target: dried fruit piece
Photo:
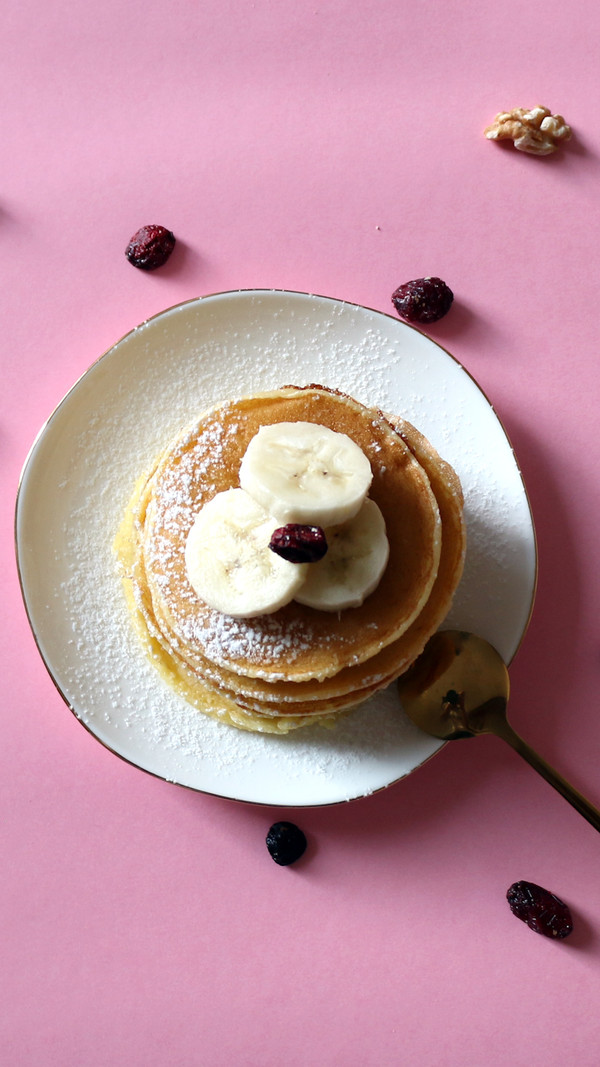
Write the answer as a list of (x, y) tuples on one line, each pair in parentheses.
[(298, 543), (286, 843), (541, 910), (150, 247), (423, 300)]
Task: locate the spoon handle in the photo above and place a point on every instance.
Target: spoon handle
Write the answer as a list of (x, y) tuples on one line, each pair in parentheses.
[(504, 730)]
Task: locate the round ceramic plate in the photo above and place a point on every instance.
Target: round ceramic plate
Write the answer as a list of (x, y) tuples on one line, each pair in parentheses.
[(105, 433)]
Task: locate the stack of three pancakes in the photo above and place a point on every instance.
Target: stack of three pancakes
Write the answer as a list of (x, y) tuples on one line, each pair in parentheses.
[(299, 665)]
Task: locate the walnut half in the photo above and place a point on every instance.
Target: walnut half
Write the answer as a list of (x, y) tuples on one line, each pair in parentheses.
[(537, 131)]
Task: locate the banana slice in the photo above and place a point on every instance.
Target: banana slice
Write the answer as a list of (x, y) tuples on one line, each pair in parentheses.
[(229, 563), (306, 473), (356, 559)]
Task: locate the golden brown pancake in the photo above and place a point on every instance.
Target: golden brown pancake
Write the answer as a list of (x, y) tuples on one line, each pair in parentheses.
[(297, 642), (359, 681), (300, 665)]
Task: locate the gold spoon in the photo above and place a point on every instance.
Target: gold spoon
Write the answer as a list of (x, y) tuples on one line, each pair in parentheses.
[(458, 687)]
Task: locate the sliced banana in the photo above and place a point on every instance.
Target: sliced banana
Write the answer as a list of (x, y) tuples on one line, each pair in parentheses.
[(229, 563), (356, 559), (306, 473)]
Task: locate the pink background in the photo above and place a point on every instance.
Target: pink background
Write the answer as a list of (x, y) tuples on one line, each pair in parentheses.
[(335, 148)]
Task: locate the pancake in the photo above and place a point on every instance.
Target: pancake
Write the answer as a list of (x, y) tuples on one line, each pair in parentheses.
[(343, 689), (299, 666), (297, 642)]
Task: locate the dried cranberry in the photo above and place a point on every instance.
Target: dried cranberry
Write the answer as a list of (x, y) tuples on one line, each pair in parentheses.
[(298, 543), (423, 300), (540, 909), (286, 843), (150, 247)]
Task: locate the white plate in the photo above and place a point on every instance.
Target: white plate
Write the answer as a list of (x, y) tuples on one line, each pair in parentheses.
[(121, 413)]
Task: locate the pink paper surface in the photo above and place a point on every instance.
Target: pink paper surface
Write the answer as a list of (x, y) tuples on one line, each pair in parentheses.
[(332, 148)]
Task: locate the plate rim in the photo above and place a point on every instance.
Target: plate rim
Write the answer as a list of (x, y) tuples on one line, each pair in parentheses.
[(65, 397)]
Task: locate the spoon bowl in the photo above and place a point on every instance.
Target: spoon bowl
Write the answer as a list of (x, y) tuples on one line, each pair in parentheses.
[(449, 689), (459, 687)]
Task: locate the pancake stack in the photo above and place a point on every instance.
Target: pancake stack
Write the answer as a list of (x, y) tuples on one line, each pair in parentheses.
[(297, 665)]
